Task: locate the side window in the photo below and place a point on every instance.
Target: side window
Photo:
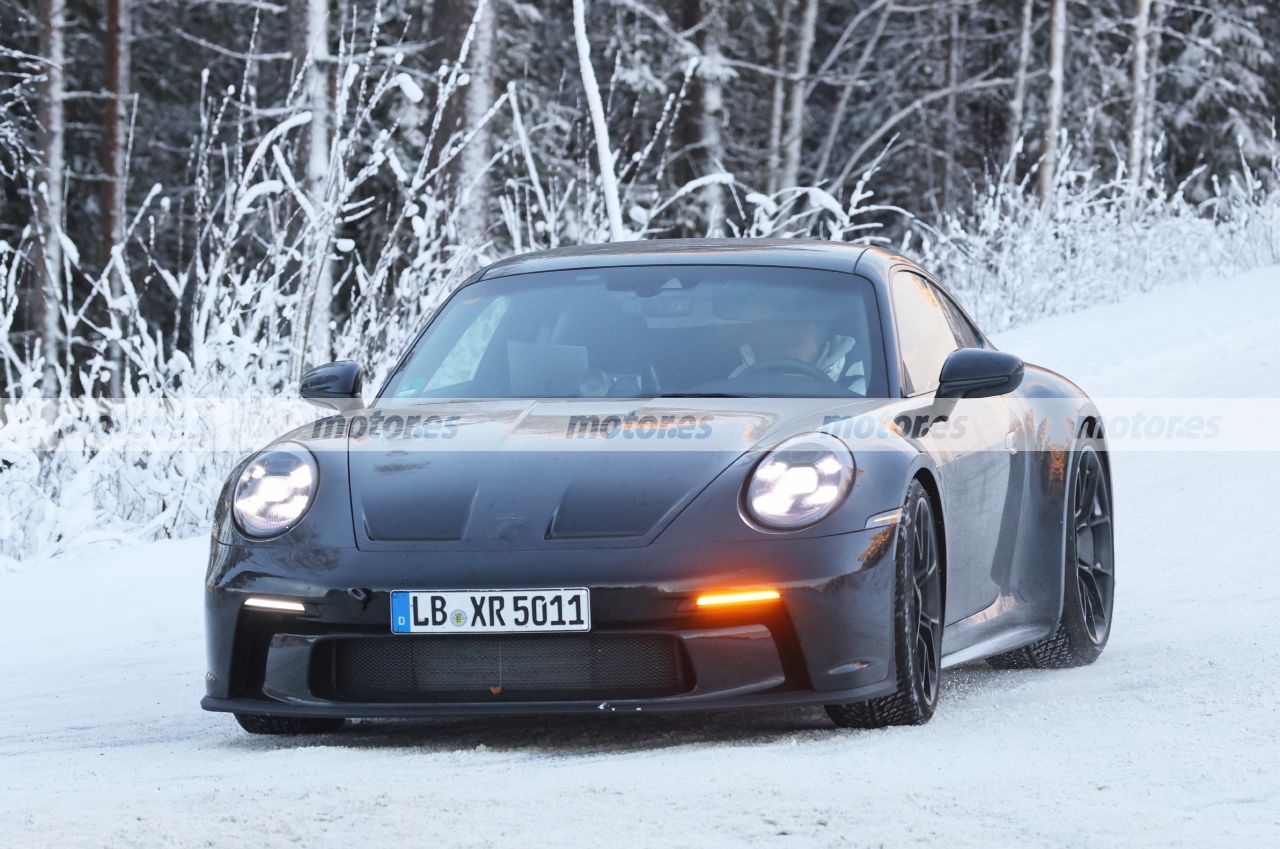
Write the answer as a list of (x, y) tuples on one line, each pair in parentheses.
[(925, 337), (967, 336)]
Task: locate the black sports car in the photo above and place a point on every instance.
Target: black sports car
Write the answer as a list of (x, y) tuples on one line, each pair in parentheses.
[(665, 476)]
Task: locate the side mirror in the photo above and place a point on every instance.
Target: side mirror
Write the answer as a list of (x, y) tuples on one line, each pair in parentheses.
[(979, 373), (336, 386)]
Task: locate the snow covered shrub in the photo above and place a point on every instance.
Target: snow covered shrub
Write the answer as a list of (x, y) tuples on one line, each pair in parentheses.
[(255, 293), (1011, 258), (1248, 208)]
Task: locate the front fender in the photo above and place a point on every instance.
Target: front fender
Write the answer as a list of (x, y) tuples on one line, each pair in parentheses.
[(886, 456), (328, 522)]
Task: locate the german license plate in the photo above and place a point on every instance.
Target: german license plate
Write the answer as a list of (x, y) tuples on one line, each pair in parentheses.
[(489, 611)]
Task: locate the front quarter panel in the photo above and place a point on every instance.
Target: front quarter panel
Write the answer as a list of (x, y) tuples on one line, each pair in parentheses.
[(885, 458), (327, 522)]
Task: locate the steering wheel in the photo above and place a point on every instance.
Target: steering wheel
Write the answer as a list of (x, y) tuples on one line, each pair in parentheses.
[(785, 365)]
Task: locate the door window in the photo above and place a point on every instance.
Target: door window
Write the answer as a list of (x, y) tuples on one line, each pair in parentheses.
[(925, 337), (967, 336)]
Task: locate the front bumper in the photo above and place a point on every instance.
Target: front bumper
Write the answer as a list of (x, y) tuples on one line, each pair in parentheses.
[(829, 639)]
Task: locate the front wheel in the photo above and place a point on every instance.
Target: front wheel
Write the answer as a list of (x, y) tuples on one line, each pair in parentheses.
[(917, 618), (258, 724), (1088, 593)]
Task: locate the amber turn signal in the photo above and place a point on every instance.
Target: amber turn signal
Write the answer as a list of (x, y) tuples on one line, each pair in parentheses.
[(720, 599)]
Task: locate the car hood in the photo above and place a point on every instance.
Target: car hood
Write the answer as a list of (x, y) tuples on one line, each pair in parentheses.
[(528, 474)]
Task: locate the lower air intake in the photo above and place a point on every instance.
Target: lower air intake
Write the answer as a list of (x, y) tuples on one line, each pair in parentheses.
[(543, 667)]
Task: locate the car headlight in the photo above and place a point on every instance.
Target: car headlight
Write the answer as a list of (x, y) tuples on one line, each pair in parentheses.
[(799, 482), (275, 490)]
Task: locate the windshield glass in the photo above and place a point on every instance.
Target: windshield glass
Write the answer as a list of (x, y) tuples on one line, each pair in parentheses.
[(642, 332)]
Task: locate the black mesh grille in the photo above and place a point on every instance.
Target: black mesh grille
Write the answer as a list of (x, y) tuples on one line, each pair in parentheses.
[(553, 667)]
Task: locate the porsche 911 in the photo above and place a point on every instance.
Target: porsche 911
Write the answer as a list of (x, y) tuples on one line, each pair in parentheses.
[(665, 476)]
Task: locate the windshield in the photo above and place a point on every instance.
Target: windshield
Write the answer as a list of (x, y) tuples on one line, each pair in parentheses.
[(651, 331)]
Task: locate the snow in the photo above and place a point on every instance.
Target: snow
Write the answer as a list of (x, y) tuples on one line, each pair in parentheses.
[(410, 89), (1168, 740), (251, 195)]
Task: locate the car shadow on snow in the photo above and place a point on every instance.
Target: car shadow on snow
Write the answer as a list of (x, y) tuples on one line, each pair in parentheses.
[(587, 735)]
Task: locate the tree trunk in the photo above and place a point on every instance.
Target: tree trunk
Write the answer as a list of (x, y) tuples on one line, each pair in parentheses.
[(712, 194), (778, 101), (1151, 130), (952, 129), (600, 129), (115, 168), (473, 170), (1018, 106), (464, 112), (794, 142), (703, 138), (47, 318), (309, 43), (1138, 102), (1053, 126), (446, 34)]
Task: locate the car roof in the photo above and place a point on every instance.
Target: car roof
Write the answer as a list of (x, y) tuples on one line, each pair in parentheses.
[(872, 261)]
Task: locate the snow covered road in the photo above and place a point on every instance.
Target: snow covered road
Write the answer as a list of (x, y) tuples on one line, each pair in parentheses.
[(1169, 740)]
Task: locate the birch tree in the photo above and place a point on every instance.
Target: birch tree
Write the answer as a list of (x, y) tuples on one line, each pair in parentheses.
[(52, 17), (1137, 142), (475, 183), (794, 141), (1053, 125), (712, 115), (1158, 8), (705, 139), (309, 43), (778, 93)]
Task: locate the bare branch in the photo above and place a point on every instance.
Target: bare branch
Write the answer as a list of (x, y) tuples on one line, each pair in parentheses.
[(873, 138)]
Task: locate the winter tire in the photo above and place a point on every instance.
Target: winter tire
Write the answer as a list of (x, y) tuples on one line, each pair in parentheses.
[(1088, 594), (917, 617)]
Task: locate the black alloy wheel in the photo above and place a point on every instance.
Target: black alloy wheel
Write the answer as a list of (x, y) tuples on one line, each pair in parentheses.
[(918, 608), (1094, 557), (1089, 582)]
